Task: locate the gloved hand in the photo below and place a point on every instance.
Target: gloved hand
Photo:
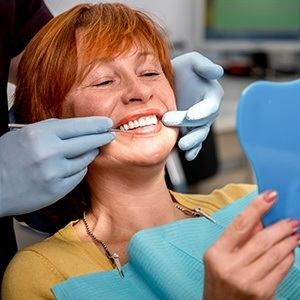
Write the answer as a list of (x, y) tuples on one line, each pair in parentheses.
[(199, 97), (42, 162)]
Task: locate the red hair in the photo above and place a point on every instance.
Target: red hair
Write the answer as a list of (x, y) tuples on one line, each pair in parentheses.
[(49, 67)]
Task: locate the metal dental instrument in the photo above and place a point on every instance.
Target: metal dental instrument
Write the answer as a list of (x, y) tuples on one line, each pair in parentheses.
[(16, 126)]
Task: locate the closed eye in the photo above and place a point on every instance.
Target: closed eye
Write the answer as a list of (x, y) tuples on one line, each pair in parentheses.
[(149, 74), (103, 83)]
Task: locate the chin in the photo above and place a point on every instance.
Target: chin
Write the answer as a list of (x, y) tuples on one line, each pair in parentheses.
[(152, 154)]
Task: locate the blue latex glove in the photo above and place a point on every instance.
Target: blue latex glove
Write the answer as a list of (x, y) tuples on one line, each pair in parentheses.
[(199, 97), (42, 162)]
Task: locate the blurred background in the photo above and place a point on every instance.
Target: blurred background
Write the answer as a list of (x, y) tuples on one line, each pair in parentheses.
[(253, 40)]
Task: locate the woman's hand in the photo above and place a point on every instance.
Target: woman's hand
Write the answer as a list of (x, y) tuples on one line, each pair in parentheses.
[(249, 261)]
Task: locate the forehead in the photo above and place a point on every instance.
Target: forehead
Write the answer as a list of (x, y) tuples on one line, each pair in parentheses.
[(89, 58), (109, 49)]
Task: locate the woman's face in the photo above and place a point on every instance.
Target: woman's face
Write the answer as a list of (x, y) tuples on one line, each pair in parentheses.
[(133, 91)]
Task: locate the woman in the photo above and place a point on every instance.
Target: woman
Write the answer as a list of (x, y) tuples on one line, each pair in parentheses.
[(112, 61)]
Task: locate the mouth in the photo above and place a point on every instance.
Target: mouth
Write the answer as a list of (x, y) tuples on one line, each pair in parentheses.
[(140, 122)]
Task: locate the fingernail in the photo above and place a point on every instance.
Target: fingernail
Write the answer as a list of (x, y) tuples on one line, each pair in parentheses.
[(297, 236), (270, 196), (294, 223)]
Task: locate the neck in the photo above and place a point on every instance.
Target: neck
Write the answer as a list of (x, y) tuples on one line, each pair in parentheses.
[(122, 205)]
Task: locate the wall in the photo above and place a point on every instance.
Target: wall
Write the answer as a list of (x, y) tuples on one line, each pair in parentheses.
[(177, 15)]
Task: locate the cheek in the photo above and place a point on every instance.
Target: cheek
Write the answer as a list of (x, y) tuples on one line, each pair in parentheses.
[(83, 106), (168, 97), (67, 111), (71, 107)]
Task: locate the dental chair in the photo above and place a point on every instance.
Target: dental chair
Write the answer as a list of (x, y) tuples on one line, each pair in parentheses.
[(26, 235), (268, 128), (180, 173)]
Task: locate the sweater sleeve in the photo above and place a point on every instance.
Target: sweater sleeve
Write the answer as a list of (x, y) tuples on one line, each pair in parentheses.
[(22, 278)]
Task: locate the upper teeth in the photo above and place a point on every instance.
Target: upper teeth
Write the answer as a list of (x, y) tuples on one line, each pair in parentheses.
[(141, 122)]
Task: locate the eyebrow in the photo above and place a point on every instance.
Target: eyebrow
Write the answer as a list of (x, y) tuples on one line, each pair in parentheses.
[(146, 53), (142, 56)]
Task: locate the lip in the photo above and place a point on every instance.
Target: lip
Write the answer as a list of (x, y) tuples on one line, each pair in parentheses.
[(140, 114)]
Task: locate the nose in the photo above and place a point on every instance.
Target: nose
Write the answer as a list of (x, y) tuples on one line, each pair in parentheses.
[(136, 89)]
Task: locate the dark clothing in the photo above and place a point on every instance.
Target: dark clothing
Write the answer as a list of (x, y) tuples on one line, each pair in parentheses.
[(19, 22)]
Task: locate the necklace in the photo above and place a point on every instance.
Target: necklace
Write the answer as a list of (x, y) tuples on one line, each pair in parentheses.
[(197, 212), (114, 258)]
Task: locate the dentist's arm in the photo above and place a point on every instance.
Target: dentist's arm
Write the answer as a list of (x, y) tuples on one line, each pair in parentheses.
[(42, 162), (199, 97)]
